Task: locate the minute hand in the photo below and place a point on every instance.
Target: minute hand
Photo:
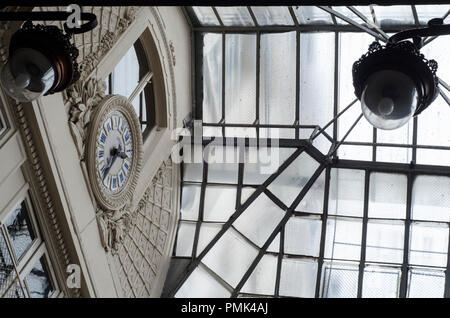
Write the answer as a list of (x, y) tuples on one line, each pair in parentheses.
[(110, 165)]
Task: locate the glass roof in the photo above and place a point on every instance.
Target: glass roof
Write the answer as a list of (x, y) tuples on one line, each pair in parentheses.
[(345, 210)]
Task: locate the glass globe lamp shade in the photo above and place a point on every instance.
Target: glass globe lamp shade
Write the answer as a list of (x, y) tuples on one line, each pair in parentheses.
[(389, 99), (27, 75)]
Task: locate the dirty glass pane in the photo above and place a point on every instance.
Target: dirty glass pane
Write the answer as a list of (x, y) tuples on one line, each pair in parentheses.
[(302, 236), (233, 16), (277, 78), (427, 12), (262, 279), (272, 15), (387, 195), (428, 244), (340, 280), (298, 277), (259, 220), (431, 198), (212, 77), (231, 246), (240, 78), (346, 192), (312, 15), (291, 181), (206, 16), (394, 15)]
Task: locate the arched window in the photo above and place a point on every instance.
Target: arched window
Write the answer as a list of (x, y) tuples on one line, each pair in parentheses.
[(132, 78)]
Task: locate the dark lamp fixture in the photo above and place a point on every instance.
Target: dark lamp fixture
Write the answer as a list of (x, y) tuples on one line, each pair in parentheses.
[(41, 59), (395, 82)]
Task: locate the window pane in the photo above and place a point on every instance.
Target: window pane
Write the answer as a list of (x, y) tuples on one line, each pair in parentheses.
[(231, 246), (7, 272), (232, 16), (298, 277), (262, 279), (402, 135), (317, 70), (20, 230), (220, 203), (126, 74), (205, 15), (302, 236), (259, 220), (427, 12), (38, 281), (343, 238), (394, 15), (346, 192), (190, 202), (379, 282), (291, 181), (222, 164), (426, 283), (428, 244), (207, 232), (212, 77), (313, 200), (277, 78), (387, 195), (240, 78), (312, 15), (385, 241), (340, 280), (201, 284), (272, 15), (185, 239), (431, 198)]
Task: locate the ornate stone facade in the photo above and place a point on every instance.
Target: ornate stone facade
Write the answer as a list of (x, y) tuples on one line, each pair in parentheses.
[(139, 257)]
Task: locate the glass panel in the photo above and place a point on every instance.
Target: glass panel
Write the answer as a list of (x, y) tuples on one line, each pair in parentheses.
[(126, 74), (431, 198), (259, 220), (272, 15), (385, 241), (222, 164), (262, 280), (212, 77), (15, 291), (352, 46), (426, 283), (391, 154), (343, 238), (313, 200), (346, 192), (38, 281), (190, 201), (277, 78), (240, 78), (387, 195), (7, 272), (291, 181), (381, 282), (433, 157), (427, 12), (193, 172), (316, 70), (220, 203), (302, 236), (340, 280), (232, 16), (231, 246), (274, 247), (207, 232), (261, 162), (355, 152), (288, 133), (200, 284), (428, 244), (20, 230), (394, 15), (242, 132), (365, 10), (402, 135), (205, 15), (298, 277), (311, 15), (185, 238)]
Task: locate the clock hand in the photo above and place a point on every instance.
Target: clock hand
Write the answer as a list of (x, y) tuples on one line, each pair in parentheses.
[(114, 154)]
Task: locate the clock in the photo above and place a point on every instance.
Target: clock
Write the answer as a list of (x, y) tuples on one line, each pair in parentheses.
[(114, 152)]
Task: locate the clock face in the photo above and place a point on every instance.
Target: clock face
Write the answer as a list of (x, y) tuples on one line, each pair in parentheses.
[(114, 152)]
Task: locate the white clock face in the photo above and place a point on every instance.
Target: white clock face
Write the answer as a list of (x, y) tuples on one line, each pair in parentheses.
[(114, 152)]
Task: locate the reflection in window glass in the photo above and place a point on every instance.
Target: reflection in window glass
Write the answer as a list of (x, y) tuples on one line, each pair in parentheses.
[(20, 230), (126, 74), (38, 281)]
